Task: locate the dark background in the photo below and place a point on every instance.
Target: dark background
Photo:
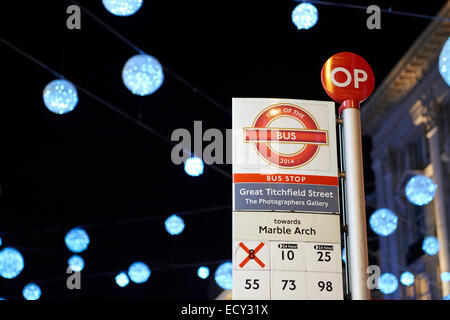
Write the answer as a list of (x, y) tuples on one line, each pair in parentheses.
[(93, 168)]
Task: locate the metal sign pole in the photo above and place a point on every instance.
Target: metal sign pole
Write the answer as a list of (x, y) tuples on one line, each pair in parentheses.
[(356, 212), (348, 79)]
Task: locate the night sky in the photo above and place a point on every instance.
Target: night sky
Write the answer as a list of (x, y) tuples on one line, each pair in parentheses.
[(94, 168)]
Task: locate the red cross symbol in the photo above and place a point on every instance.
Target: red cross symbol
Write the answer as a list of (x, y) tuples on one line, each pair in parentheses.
[(252, 255)]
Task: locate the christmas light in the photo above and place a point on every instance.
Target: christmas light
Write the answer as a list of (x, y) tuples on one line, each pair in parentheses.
[(194, 166), (174, 225), (122, 279), (420, 190), (77, 240), (387, 283), (430, 245), (383, 222), (305, 16), (223, 275), (122, 7), (11, 263), (203, 272), (142, 74), (407, 278), (76, 263), (139, 272), (31, 291), (60, 96)]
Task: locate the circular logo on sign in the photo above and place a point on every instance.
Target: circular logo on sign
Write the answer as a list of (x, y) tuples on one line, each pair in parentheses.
[(286, 136)]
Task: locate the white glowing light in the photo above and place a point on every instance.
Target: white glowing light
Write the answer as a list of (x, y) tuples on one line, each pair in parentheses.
[(420, 190), (383, 222), (142, 74), (174, 225), (305, 16), (60, 96), (122, 7), (194, 166), (203, 272)]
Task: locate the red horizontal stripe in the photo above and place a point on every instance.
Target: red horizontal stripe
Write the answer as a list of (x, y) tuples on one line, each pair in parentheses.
[(285, 178), (285, 135)]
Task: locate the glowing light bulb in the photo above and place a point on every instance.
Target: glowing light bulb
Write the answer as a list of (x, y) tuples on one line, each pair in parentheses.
[(444, 62), (31, 291), (11, 263), (142, 74), (139, 272), (430, 245), (174, 225), (77, 240), (60, 96), (194, 166), (383, 222), (122, 279), (203, 272), (122, 7), (445, 276), (305, 16), (420, 190), (223, 276), (387, 283), (407, 278), (76, 263)]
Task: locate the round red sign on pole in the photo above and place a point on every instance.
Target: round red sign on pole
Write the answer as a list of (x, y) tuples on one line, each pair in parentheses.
[(348, 79)]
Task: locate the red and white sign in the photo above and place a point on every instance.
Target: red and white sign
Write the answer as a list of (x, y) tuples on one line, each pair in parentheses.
[(347, 78), (284, 136)]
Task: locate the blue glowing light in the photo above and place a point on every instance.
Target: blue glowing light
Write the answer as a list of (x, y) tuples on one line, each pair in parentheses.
[(447, 297), (383, 222), (31, 291), (122, 279), (430, 245), (344, 256), (305, 16), (387, 283), (420, 190), (77, 240), (122, 7), (203, 272), (407, 278), (142, 74), (174, 225), (1, 241), (223, 275), (2, 298), (193, 166), (11, 263), (60, 96), (444, 62), (139, 272), (76, 263), (445, 276)]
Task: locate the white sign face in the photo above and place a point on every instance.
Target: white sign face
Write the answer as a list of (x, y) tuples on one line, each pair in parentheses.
[(301, 135), (284, 155), (286, 226)]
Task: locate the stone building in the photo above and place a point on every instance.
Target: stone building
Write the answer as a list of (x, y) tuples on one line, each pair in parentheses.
[(408, 120)]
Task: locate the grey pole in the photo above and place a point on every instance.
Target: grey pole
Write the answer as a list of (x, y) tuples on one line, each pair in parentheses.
[(356, 212)]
